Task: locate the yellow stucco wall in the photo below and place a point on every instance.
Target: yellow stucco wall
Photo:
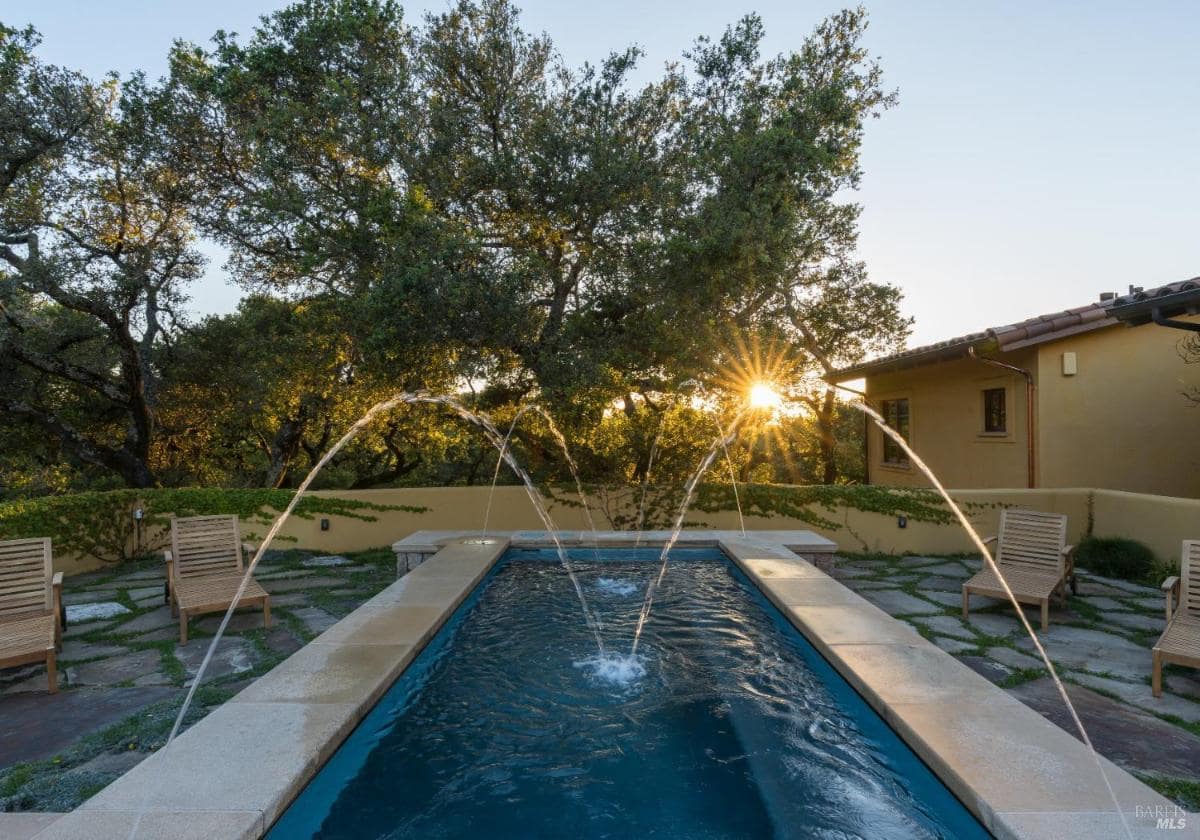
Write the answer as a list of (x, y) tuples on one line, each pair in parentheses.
[(1121, 422), (946, 424), (1160, 522)]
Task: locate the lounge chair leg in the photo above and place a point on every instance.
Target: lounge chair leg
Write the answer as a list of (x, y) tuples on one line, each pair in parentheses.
[(266, 612), (966, 603), (182, 627), (52, 672), (1156, 680), (1045, 615)]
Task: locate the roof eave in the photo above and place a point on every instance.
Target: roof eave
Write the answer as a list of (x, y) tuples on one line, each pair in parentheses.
[(934, 355), (1138, 312)]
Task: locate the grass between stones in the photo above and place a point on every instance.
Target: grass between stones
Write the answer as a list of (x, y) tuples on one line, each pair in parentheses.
[(58, 783), (1186, 792)]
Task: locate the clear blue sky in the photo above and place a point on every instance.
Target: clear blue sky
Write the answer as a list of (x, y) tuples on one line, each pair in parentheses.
[(1040, 154)]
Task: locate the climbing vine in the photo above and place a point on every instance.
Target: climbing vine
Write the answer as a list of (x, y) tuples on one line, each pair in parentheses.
[(101, 525)]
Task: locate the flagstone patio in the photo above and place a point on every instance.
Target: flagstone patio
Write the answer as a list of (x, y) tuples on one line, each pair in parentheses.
[(1099, 644), (122, 673)]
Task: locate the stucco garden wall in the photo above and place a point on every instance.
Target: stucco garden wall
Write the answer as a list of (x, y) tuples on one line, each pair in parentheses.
[(1160, 522)]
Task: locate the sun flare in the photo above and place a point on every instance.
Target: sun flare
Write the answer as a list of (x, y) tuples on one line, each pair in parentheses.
[(763, 396)]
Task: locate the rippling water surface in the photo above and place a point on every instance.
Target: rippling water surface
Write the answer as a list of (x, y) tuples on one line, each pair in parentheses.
[(726, 724)]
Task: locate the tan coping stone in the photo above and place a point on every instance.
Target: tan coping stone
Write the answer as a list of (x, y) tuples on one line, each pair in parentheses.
[(22, 826), (387, 625), (1001, 757), (471, 568), (155, 825), (913, 672), (1089, 825), (852, 625), (424, 591), (811, 592), (327, 673), (1014, 769), (234, 772), (241, 757), (769, 567)]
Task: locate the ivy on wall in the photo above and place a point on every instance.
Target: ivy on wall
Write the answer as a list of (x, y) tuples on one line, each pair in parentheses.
[(816, 505), (101, 525), (805, 503)]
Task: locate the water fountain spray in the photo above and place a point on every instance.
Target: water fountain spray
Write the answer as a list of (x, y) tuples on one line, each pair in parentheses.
[(991, 563)]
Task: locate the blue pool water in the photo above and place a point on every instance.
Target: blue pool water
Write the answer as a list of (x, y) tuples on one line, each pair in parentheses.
[(730, 726)]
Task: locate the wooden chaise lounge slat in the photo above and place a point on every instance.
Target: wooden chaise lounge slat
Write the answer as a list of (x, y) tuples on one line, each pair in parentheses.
[(30, 606), (205, 567), (1180, 642), (1033, 555)]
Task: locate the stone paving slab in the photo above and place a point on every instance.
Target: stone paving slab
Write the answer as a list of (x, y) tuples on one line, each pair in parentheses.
[(83, 613), (952, 645), (1083, 649), (951, 569), (74, 650), (76, 598), (898, 602), (1139, 695), (114, 670), (946, 625), (36, 726), (940, 583), (160, 617), (1137, 621), (1133, 739), (301, 584), (232, 656), (245, 619)]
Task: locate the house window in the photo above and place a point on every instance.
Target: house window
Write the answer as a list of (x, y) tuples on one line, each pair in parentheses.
[(995, 414), (895, 413)]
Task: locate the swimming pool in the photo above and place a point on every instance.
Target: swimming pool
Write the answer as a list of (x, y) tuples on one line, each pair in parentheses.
[(731, 725)]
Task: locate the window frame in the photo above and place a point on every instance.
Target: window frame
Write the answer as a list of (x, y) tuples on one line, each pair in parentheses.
[(1003, 430), (901, 461)]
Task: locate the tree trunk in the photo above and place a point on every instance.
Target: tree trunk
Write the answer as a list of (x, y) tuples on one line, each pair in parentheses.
[(826, 417)]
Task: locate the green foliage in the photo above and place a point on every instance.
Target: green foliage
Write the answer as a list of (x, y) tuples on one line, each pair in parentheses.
[(919, 505), (1185, 792), (1116, 557), (101, 525)]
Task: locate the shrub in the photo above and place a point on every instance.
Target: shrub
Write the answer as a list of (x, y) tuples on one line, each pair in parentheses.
[(1116, 557)]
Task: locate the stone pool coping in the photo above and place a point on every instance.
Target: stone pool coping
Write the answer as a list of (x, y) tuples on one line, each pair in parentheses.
[(1022, 776), (234, 773)]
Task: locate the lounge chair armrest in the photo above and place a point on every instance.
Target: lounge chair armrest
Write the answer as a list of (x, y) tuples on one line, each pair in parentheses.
[(249, 548), (1068, 550), (168, 557), (60, 618), (990, 539), (1170, 588)]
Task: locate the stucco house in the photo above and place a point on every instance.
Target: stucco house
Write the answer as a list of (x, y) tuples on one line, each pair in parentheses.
[(1089, 397)]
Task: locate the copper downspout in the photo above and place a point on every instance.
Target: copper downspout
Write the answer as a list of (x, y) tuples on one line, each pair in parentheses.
[(1030, 390)]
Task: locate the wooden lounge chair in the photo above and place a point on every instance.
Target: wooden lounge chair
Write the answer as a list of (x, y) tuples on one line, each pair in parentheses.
[(1180, 642), (205, 569), (1033, 555), (30, 606)]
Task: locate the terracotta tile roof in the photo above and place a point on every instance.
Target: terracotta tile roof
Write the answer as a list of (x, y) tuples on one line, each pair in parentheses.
[(1027, 333), (1172, 300)]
